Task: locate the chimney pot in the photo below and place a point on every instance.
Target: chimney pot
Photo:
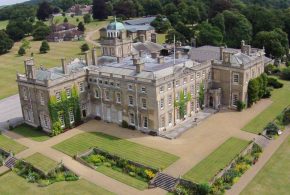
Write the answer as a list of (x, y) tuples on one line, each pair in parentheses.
[(94, 57), (160, 60), (87, 58), (154, 55), (64, 66), (221, 52), (139, 67)]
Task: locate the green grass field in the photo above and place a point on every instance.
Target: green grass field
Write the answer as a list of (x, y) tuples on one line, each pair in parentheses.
[(14, 184), (273, 178), (11, 63), (30, 132), (41, 162), (281, 99), (10, 145), (123, 148), (161, 38), (126, 179), (3, 24), (205, 170)]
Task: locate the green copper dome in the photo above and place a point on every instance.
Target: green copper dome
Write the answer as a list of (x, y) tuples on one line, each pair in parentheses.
[(116, 26)]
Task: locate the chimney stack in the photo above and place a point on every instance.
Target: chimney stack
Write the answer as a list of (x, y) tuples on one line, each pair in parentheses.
[(221, 52), (94, 57), (154, 55), (136, 61), (64, 66), (87, 58), (139, 67), (160, 60), (142, 38), (140, 53), (29, 68)]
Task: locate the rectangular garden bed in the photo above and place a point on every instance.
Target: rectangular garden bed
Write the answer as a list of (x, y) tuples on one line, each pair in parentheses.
[(125, 171), (31, 132), (9, 145)]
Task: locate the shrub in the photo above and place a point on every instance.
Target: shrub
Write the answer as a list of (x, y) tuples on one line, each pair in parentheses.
[(242, 167), (273, 82), (70, 176), (87, 18), (285, 74), (96, 159), (256, 149), (286, 117), (44, 48), (56, 128), (271, 69), (43, 182), (32, 177), (267, 93), (132, 174), (132, 127), (230, 175), (150, 175), (107, 164), (241, 106), (203, 189), (21, 51), (98, 118), (59, 177), (272, 129), (124, 124), (85, 47)]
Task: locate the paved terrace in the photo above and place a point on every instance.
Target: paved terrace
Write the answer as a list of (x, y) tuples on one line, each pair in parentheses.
[(193, 146)]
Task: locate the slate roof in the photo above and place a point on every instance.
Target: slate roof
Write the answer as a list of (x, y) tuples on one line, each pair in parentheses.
[(147, 47), (135, 28), (140, 21)]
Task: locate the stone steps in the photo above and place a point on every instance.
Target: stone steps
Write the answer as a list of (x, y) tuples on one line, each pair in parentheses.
[(165, 182), (262, 141), (10, 162)]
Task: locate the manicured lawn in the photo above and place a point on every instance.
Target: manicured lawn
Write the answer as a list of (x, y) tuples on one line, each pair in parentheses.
[(41, 162), (126, 179), (30, 132), (123, 148), (205, 170), (273, 178), (10, 145), (14, 184), (281, 99), (161, 38)]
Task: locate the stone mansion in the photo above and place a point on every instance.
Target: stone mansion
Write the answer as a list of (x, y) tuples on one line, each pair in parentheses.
[(132, 82)]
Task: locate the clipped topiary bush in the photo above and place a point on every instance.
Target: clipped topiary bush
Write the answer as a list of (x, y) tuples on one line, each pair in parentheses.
[(241, 105)]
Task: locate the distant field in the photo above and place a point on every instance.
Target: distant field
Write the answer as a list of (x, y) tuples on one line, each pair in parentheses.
[(3, 24), (10, 145), (205, 170), (11, 63), (273, 178), (281, 100), (121, 147), (14, 184)]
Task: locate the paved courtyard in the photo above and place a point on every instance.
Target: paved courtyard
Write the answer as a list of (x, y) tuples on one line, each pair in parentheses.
[(194, 145), (10, 110)]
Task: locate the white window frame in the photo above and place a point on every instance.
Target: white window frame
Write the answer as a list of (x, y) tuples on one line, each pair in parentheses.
[(118, 98), (169, 86), (130, 100), (170, 118), (144, 103), (71, 116), (169, 100), (81, 87), (236, 78), (145, 122), (143, 89), (130, 87), (161, 89), (132, 118), (58, 96), (162, 103), (61, 119), (41, 98), (235, 100), (68, 92)]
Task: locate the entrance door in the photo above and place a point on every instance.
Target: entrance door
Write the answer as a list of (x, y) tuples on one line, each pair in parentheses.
[(84, 113), (211, 101)]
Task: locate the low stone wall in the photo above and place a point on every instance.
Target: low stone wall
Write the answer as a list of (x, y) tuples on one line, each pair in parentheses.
[(246, 151)]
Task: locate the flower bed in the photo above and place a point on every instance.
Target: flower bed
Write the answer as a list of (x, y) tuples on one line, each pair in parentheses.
[(227, 179), (3, 156), (34, 175), (99, 158)]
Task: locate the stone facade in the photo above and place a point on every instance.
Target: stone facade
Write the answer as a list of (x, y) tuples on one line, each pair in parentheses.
[(140, 88)]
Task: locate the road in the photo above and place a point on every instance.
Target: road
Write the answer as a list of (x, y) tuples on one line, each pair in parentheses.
[(10, 109)]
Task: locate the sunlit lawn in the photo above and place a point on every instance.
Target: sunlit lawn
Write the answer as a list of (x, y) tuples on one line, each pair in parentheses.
[(14, 184), (121, 147), (281, 99), (205, 170), (3, 24), (161, 38), (10, 145), (31, 133), (41, 162), (273, 178)]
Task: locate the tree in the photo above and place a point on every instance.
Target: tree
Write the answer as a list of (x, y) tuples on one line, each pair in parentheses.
[(125, 9), (85, 47), (191, 15), (161, 24), (152, 7), (44, 48), (5, 42), (99, 10), (44, 11), (178, 37), (25, 44), (21, 51), (275, 42), (209, 35), (253, 92), (41, 33), (181, 104), (17, 29), (87, 18), (81, 27), (286, 73), (218, 6), (65, 20)]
